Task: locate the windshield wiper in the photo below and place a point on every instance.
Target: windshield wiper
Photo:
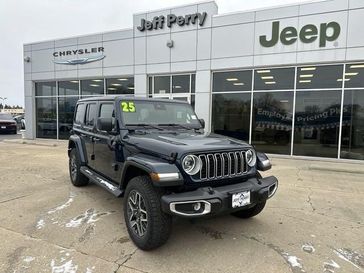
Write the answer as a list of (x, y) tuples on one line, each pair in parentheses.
[(175, 124), (144, 125)]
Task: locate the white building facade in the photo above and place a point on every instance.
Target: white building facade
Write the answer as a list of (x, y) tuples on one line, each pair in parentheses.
[(289, 80)]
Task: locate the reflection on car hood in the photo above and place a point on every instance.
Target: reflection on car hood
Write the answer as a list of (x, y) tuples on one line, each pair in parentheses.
[(7, 121), (183, 142)]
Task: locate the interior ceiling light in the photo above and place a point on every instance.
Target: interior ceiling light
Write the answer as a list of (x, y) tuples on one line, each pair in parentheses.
[(283, 101), (231, 79), (132, 88), (340, 80), (305, 81), (306, 76), (97, 80), (357, 66), (94, 85), (111, 88), (267, 77), (116, 84), (238, 83), (74, 81), (308, 68), (273, 82), (263, 71), (123, 80), (177, 86), (351, 73)]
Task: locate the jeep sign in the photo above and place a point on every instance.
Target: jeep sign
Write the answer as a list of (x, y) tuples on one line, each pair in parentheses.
[(327, 32)]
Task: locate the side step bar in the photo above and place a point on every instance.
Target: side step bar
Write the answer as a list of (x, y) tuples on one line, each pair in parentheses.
[(101, 181)]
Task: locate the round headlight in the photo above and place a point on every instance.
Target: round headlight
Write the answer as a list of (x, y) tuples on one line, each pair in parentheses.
[(191, 164), (251, 158)]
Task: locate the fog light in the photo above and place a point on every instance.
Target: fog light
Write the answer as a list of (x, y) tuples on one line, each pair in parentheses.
[(197, 206)]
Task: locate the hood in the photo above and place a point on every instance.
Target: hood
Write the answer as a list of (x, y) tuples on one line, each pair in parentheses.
[(8, 121), (183, 142)]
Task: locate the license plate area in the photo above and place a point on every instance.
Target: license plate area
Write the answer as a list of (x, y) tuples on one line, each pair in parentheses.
[(240, 199)]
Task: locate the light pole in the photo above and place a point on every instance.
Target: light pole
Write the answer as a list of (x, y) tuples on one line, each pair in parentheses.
[(3, 99)]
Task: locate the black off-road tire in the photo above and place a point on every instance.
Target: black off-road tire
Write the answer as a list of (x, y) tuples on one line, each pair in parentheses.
[(78, 179), (158, 227), (251, 212)]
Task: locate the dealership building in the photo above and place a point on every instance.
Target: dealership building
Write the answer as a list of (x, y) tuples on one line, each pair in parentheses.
[(288, 79)]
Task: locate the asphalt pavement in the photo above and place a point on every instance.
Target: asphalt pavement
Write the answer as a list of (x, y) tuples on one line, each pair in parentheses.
[(19, 135), (315, 223)]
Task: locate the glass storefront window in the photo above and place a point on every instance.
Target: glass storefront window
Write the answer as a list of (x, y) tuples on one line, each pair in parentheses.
[(162, 84), (317, 123), (92, 87), (68, 88), (123, 85), (181, 84), (272, 122), (231, 115), (193, 83), (352, 143), (45, 88), (318, 77), (232, 81), (150, 86), (354, 75), (193, 101), (46, 117), (66, 108), (274, 79)]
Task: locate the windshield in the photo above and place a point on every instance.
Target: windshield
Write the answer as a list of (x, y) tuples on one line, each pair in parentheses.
[(137, 112), (6, 116)]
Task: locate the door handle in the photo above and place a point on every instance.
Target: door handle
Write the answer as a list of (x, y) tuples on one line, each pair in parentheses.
[(83, 135), (95, 139)]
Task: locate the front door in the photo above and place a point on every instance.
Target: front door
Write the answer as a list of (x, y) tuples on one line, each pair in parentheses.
[(105, 154)]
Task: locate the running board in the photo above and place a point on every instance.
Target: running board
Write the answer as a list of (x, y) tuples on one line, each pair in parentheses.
[(101, 181)]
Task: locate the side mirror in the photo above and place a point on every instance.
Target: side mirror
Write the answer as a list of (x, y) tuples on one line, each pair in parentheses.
[(104, 124), (202, 121)]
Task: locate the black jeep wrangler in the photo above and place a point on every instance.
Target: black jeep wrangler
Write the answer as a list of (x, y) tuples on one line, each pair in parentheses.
[(156, 154)]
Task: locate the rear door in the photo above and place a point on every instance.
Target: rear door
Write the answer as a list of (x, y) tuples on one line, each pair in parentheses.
[(88, 132), (105, 155)]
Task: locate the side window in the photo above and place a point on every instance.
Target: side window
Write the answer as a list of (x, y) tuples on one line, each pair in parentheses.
[(90, 114), (107, 111), (80, 114)]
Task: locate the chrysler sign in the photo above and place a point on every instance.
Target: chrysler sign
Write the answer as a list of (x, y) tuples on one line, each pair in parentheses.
[(79, 56), (159, 22)]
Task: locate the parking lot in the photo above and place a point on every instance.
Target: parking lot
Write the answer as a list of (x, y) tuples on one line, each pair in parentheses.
[(315, 223), (19, 135)]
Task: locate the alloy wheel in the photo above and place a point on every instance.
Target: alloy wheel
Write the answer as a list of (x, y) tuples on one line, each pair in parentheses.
[(137, 213)]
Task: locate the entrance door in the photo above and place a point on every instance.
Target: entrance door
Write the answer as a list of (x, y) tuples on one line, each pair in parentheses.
[(182, 97)]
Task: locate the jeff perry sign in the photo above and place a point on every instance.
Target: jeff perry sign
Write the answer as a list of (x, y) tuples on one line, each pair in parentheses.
[(159, 22)]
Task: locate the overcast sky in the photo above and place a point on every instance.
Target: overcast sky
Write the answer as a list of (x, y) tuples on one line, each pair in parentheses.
[(25, 21)]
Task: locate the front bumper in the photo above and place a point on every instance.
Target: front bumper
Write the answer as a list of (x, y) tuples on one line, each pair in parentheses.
[(219, 199)]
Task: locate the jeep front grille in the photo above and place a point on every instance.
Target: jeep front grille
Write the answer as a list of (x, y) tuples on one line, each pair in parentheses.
[(221, 165)]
